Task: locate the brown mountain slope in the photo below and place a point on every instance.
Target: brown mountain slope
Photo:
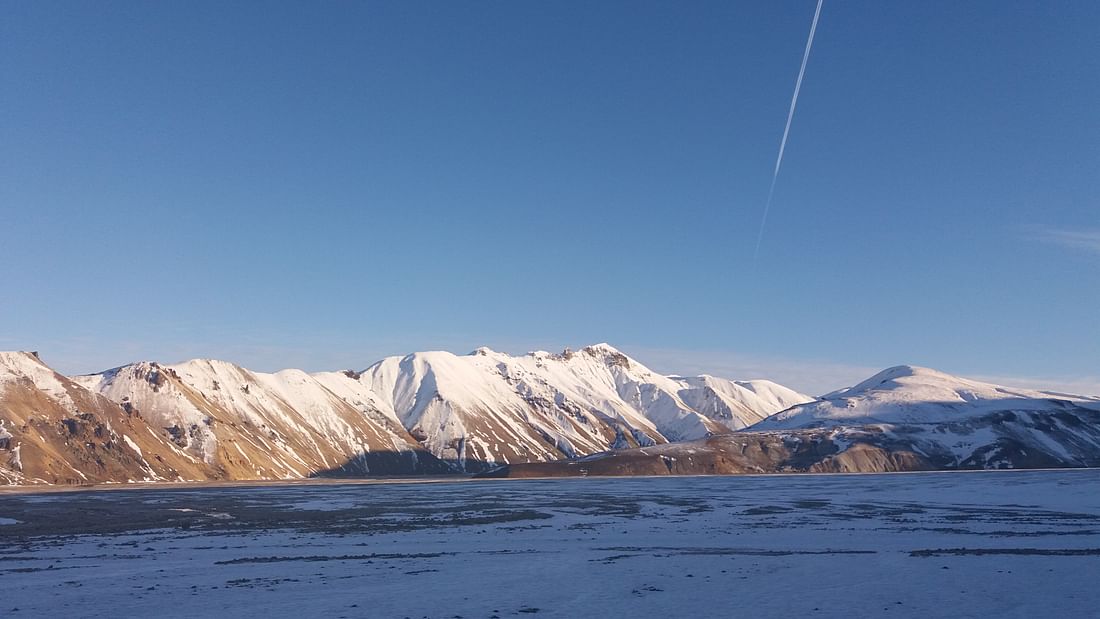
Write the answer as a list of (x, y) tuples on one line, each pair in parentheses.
[(254, 425), (164, 427), (55, 431)]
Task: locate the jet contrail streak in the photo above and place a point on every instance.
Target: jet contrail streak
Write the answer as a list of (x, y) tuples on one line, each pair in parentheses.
[(786, 131)]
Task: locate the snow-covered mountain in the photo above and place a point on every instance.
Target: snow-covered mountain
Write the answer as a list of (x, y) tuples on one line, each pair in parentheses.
[(490, 408), (903, 418), (52, 430), (954, 422), (471, 411), (253, 425), (914, 395), (425, 413), (594, 410)]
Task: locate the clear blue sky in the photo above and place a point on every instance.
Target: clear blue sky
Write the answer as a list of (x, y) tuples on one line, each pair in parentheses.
[(320, 184)]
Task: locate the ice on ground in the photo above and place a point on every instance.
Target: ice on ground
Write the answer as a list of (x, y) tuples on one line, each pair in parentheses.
[(1010, 544)]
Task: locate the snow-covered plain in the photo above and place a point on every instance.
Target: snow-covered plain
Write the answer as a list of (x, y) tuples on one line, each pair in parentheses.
[(1007, 544)]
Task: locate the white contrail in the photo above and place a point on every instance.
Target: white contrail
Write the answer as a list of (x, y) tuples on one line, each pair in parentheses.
[(786, 130)]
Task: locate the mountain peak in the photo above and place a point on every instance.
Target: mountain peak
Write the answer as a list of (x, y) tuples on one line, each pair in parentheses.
[(912, 378), (20, 357), (896, 372), (602, 347), (16, 364), (204, 362), (608, 354)]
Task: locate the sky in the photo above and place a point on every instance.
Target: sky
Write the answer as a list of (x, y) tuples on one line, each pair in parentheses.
[(294, 184)]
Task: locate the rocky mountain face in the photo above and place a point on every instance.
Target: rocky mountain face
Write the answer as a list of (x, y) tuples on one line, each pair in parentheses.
[(251, 425), (902, 419), (54, 431), (489, 408), (425, 413)]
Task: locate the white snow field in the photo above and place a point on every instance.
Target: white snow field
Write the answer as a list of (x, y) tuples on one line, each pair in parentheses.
[(1004, 544)]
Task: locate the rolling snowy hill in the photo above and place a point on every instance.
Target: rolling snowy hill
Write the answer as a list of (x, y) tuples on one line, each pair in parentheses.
[(915, 395), (903, 418)]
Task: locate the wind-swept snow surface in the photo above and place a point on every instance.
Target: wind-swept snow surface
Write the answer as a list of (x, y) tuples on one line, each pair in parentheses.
[(986, 544)]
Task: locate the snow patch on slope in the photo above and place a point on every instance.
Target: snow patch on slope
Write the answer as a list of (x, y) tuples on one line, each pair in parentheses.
[(23, 366)]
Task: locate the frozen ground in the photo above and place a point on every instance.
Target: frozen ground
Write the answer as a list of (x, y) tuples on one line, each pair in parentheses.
[(1006, 544)]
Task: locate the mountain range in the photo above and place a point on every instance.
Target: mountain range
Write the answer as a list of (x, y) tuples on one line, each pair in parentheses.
[(424, 413), (590, 411)]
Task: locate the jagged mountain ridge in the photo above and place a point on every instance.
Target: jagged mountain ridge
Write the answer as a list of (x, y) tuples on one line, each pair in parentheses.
[(430, 412), (262, 426), (496, 408)]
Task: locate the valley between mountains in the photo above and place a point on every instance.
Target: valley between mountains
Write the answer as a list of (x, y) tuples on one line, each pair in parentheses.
[(594, 411)]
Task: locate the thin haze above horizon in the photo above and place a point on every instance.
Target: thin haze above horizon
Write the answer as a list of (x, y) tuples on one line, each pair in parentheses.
[(319, 186)]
